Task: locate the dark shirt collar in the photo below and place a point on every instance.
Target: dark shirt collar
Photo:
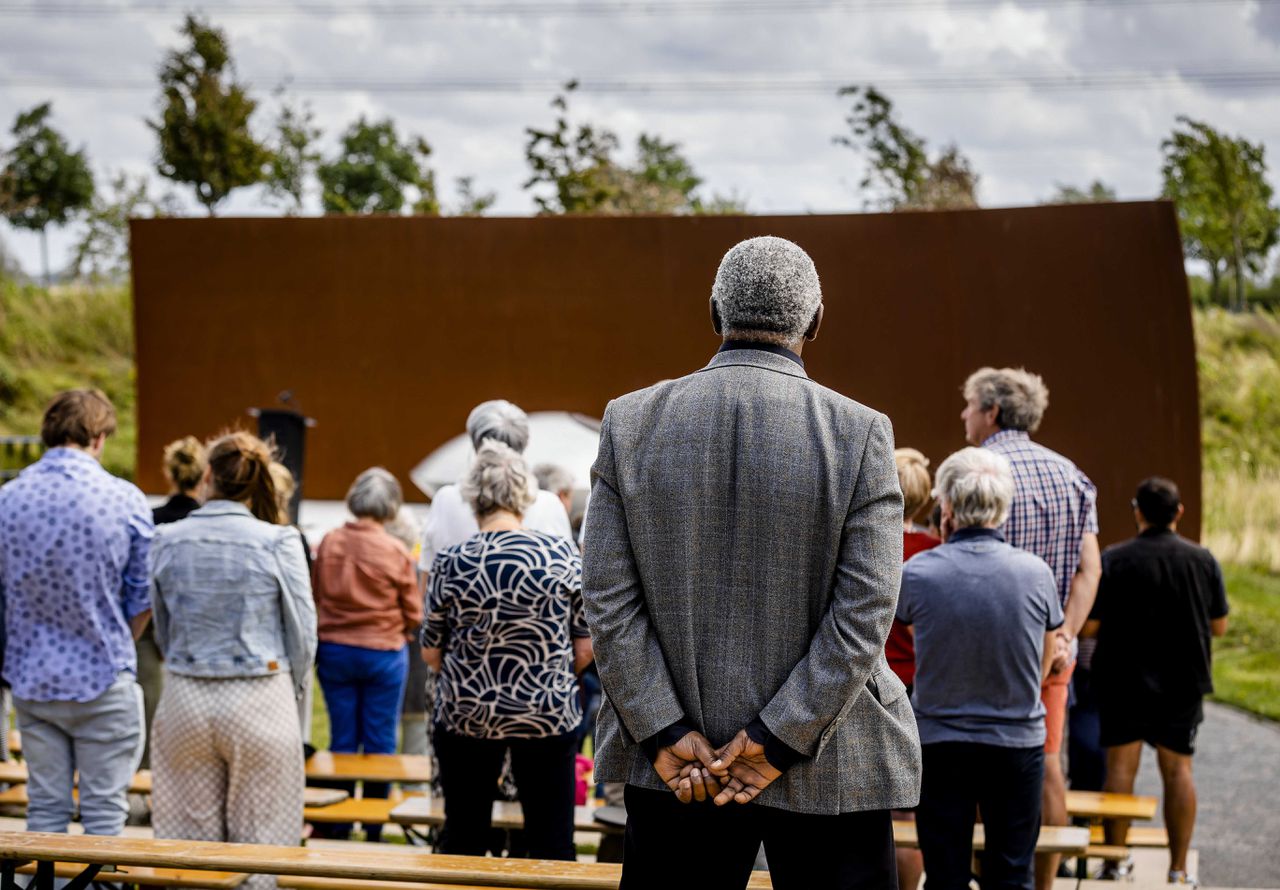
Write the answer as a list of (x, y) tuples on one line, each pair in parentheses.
[(1003, 435), (1156, 531), (973, 533), (763, 347)]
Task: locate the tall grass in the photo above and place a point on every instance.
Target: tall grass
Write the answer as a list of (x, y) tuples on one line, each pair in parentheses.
[(1239, 365), (51, 340)]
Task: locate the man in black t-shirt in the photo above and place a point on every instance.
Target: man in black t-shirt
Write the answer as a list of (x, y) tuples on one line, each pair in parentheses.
[(1160, 600)]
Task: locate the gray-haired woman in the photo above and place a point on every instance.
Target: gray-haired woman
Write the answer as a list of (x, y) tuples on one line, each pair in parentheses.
[(507, 606), (368, 608)]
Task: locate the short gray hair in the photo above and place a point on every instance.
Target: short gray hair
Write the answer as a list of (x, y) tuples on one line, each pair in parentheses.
[(767, 285), (1020, 395), (375, 494), (553, 478), (499, 420), (978, 484), (499, 479)]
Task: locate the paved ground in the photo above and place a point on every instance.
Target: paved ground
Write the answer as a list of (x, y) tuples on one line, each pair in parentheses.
[(1237, 769)]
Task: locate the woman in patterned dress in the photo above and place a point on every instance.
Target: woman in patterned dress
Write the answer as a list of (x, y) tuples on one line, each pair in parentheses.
[(234, 618), (505, 629)]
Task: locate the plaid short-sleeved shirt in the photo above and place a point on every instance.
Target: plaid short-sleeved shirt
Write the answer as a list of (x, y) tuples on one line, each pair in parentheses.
[(1054, 504)]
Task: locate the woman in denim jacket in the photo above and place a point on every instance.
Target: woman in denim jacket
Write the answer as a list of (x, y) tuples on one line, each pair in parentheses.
[(236, 623)]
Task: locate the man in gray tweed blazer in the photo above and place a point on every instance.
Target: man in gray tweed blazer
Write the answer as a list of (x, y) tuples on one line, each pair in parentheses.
[(741, 568)]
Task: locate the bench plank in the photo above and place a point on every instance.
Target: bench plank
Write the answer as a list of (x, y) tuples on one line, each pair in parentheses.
[(328, 766), (1066, 839), (369, 810), (400, 865), (151, 877), (1139, 836), (507, 815), (13, 772), (1106, 805)]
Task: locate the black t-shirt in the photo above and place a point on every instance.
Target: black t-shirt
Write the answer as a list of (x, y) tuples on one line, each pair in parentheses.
[(1157, 596), (177, 507)]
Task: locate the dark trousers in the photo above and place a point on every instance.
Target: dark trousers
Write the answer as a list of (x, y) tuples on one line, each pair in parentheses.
[(1086, 758), (699, 845), (961, 778), (543, 769)]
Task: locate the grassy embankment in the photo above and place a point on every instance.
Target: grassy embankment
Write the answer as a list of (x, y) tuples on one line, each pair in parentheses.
[(50, 341)]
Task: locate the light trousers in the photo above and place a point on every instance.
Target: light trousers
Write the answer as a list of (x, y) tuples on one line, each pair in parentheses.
[(101, 738), (227, 763)]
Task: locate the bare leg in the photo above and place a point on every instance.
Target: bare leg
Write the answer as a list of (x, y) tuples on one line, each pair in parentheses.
[(1122, 770), (1179, 804), (910, 868), (1053, 811)]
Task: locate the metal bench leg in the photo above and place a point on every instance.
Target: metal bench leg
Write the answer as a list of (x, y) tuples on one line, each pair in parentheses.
[(82, 880), (7, 870)]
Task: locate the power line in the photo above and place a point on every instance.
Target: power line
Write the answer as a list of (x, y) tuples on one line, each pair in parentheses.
[(942, 83), (561, 9)]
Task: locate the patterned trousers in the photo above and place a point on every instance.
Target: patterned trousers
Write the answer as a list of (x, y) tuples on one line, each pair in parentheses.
[(227, 763)]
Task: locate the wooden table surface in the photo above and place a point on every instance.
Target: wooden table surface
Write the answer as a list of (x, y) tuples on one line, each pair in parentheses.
[(401, 864), (507, 815), (150, 877), (415, 768), (1102, 805)]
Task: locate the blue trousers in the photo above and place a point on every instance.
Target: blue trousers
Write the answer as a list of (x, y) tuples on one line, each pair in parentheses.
[(363, 691)]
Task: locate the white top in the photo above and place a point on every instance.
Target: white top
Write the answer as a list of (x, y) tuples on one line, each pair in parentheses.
[(451, 521)]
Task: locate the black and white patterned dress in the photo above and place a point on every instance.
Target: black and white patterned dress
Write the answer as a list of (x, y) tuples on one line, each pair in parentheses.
[(506, 605)]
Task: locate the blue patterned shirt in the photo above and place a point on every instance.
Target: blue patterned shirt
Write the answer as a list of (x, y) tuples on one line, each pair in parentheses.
[(74, 542), (1054, 505)]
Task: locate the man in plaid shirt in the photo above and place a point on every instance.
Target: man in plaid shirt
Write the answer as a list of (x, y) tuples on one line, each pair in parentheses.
[(1055, 516)]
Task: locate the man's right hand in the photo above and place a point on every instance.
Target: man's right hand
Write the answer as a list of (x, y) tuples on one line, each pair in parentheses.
[(749, 771), (692, 768)]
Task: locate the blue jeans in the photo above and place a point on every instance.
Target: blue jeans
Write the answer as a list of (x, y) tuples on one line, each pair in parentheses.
[(363, 691)]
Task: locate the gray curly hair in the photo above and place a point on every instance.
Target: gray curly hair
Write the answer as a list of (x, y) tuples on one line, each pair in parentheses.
[(978, 484), (1021, 396), (766, 286), (499, 479)]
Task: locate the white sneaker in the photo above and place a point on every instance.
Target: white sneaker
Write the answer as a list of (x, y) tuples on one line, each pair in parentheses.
[(1181, 877)]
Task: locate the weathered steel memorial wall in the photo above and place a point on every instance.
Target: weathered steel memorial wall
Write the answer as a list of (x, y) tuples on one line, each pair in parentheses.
[(388, 330)]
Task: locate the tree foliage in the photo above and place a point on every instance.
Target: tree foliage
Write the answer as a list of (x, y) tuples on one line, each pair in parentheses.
[(900, 174), (294, 157), (1096, 192), (470, 201), (101, 252), (44, 181), (203, 130), (1224, 202), (374, 172), (575, 167)]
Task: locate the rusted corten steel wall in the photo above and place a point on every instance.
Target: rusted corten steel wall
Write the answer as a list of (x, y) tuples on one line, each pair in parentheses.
[(388, 330)]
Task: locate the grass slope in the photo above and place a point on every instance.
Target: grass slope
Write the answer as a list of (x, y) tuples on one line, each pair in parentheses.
[(1246, 662)]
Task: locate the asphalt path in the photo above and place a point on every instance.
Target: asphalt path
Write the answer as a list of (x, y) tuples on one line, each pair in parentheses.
[(1237, 772)]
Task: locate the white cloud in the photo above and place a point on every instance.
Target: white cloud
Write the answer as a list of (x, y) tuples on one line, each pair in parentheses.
[(774, 148)]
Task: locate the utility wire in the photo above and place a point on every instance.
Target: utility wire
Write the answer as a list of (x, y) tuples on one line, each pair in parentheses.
[(535, 9), (942, 83)]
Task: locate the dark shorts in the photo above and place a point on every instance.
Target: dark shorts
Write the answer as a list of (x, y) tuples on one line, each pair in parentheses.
[(1156, 721)]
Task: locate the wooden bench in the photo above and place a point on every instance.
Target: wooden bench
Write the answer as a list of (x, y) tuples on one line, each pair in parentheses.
[(1107, 805), (1139, 836), (507, 815), (149, 877), (365, 810), (400, 865)]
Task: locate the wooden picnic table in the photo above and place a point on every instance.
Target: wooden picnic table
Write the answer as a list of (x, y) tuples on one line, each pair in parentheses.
[(404, 768)]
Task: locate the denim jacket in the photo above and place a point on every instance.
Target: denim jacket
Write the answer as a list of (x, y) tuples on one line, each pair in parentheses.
[(231, 596)]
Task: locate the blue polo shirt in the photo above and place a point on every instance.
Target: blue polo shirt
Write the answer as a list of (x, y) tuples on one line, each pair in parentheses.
[(980, 610)]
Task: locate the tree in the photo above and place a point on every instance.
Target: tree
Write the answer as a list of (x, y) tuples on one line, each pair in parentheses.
[(293, 156), (1096, 192), (899, 171), (471, 202), (374, 172), (45, 182), (203, 131), (1224, 204), (577, 162), (101, 253)]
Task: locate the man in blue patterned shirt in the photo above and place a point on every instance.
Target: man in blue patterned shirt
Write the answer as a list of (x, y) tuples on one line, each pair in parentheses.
[(1055, 516), (74, 542)]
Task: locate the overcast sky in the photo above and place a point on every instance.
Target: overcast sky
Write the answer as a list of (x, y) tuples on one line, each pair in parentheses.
[(1021, 127)]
